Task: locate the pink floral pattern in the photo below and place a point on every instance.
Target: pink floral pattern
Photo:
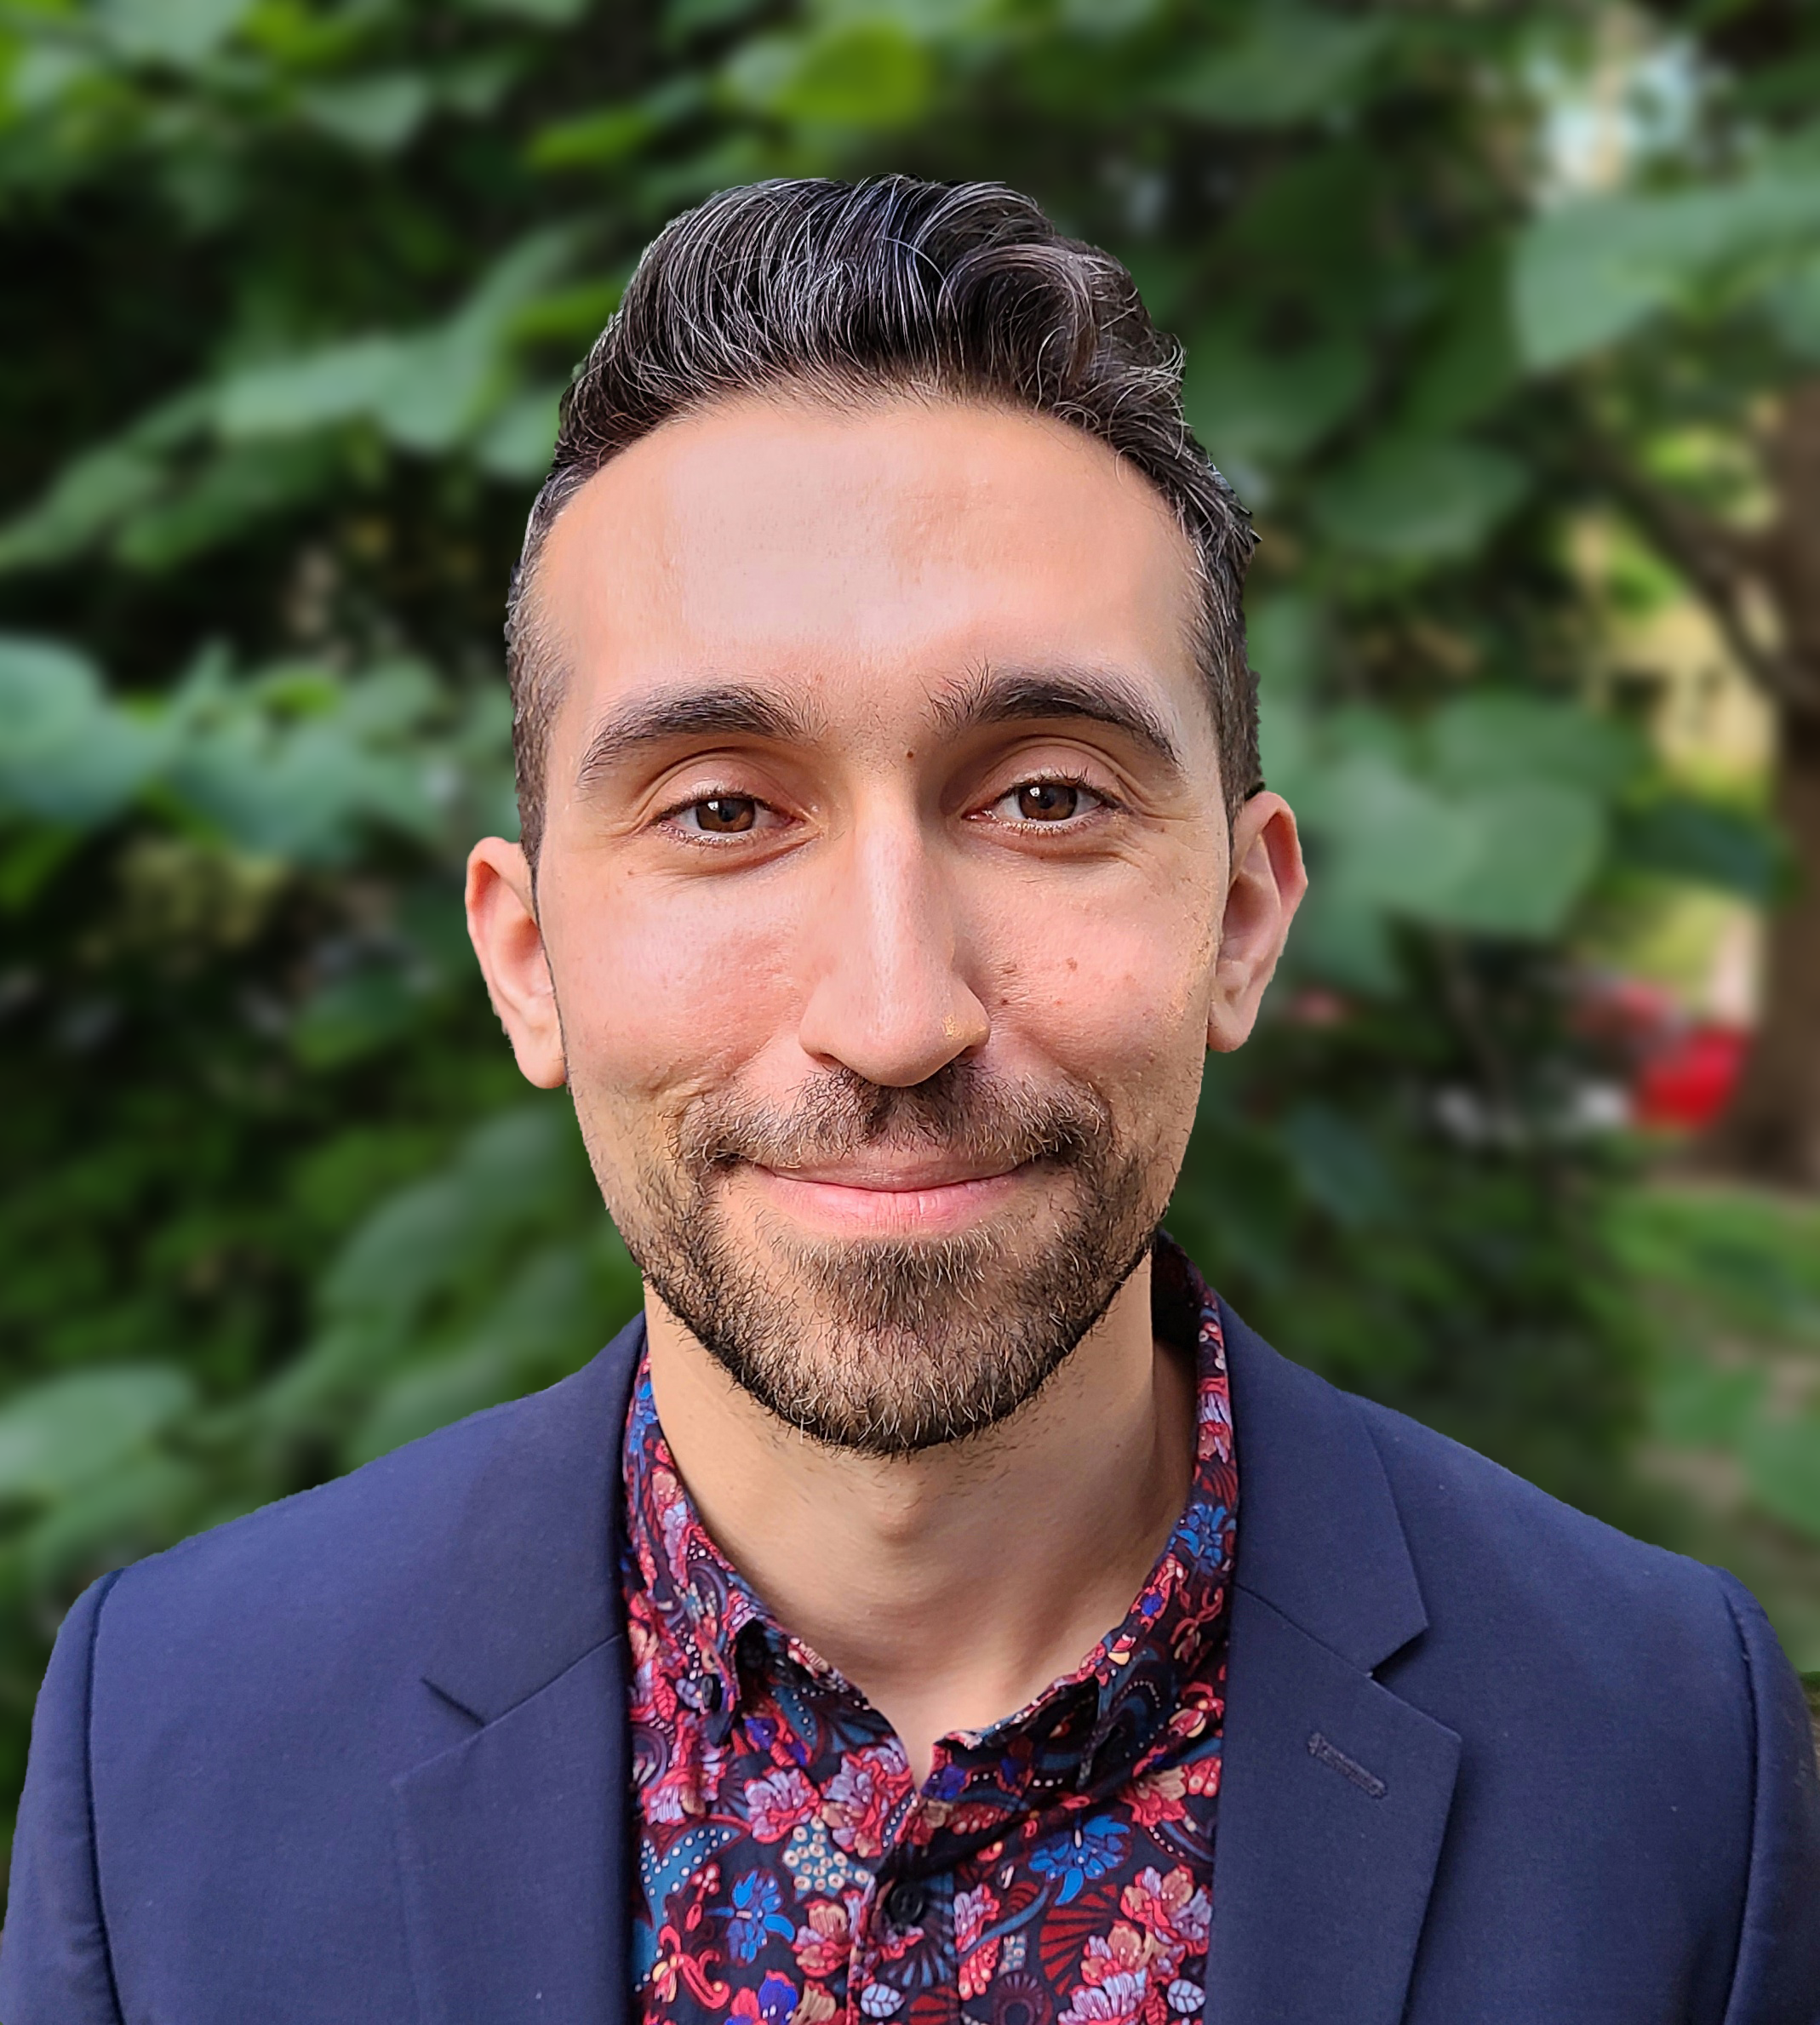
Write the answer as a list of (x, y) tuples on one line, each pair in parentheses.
[(1054, 1869)]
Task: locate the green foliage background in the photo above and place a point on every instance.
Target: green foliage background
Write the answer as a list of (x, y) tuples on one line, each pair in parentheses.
[(293, 288)]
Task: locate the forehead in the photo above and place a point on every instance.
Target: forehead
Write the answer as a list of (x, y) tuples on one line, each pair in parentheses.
[(866, 557)]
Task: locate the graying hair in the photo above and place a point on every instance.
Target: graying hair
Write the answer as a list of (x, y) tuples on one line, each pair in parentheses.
[(847, 291)]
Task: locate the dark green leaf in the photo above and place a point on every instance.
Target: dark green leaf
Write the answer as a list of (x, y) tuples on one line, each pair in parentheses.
[(1420, 500), (67, 1433), (1295, 62), (1708, 845)]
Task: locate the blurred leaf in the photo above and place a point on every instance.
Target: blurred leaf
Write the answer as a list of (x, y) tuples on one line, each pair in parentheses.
[(1698, 1405), (88, 498), (592, 139), (1750, 1258), (66, 753), (298, 791), (1794, 306), (544, 1324), (329, 386), (98, 489), (1293, 62), (1284, 635), (574, 315), (424, 390), (62, 1436), (508, 1175), (441, 388), (1708, 845), (1340, 941), (352, 1017), (1593, 270), (555, 14), (1491, 738), (1472, 364), (685, 18), (866, 73), (1492, 820), (1781, 1458), (1103, 20), (146, 1500), (610, 134), (379, 113), (1250, 405), (241, 483), (1418, 499), (518, 443), (175, 31), (1340, 1166)]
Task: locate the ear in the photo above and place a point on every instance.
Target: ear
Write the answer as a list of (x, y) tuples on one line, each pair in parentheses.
[(1265, 886), (502, 925)]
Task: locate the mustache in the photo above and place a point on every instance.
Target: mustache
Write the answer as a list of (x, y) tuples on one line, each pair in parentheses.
[(962, 1109)]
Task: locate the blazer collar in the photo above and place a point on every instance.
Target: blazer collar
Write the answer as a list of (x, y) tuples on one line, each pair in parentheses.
[(533, 1571), (1335, 1793), (1320, 1536), (514, 1846)]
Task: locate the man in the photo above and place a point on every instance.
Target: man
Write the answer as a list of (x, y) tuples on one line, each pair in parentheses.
[(937, 1606)]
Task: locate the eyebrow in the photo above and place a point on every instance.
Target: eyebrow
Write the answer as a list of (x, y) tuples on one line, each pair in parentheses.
[(988, 696), (714, 710), (1012, 695)]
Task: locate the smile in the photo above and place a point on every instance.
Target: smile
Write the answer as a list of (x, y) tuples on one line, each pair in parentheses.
[(924, 1198)]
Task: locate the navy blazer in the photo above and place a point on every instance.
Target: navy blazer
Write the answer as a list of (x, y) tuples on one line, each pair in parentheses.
[(363, 1755)]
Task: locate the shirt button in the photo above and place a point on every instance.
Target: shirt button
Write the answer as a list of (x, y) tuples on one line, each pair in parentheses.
[(905, 1903)]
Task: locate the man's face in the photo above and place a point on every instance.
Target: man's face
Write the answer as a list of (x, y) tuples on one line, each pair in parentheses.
[(885, 905)]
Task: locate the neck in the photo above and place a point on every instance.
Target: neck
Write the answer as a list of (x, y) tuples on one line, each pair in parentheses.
[(950, 1586)]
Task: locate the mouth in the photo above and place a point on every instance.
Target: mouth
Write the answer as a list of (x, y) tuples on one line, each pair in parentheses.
[(923, 1197)]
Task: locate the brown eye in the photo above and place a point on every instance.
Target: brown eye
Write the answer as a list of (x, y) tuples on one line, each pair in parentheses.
[(1048, 801), (725, 815)]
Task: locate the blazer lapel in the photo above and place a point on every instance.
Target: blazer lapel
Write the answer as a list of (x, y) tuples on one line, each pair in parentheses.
[(514, 1843), (513, 1851), (1335, 1793)]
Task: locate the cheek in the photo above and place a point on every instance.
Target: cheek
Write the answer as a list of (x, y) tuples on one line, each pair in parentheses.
[(661, 992), (1115, 988)]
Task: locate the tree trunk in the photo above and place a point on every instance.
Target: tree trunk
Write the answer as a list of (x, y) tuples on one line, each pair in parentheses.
[(1772, 1129)]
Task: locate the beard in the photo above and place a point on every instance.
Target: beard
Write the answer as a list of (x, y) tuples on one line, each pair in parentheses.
[(886, 1346)]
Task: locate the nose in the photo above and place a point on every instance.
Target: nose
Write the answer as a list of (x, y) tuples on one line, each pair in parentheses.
[(889, 1000)]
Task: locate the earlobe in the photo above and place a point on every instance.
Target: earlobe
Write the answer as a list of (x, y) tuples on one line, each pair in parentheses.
[(1266, 887), (502, 925)]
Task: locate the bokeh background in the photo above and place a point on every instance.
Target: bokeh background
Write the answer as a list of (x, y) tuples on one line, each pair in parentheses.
[(1505, 319)]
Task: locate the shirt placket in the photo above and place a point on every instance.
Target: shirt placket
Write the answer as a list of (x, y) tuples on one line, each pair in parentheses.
[(908, 1909)]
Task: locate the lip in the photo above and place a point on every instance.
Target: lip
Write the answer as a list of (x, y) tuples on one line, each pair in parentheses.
[(903, 1174), (925, 1197)]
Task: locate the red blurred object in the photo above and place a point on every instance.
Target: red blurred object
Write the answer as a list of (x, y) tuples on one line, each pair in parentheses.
[(1679, 1073), (1687, 1081)]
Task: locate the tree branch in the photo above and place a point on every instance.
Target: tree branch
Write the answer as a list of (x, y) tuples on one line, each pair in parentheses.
[(1718, 562)]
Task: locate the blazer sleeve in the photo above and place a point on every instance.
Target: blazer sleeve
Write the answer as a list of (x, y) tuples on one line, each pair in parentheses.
[(1776, 1981), (55, 1967)]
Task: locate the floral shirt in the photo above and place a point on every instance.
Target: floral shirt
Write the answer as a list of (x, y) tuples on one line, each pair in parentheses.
[(1054, 1869)]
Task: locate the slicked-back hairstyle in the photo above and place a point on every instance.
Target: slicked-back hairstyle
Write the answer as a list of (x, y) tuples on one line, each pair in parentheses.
[(849, 291)]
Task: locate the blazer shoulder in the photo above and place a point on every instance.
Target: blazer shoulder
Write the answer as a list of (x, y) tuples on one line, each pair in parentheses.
[(1461, 1508), (1484, 1569), (413, 1529)]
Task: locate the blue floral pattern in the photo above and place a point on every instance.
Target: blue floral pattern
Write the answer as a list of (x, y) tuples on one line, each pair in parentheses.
[(1054, 1869)]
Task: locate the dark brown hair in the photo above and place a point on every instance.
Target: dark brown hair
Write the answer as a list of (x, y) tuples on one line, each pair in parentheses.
[(845, 290)]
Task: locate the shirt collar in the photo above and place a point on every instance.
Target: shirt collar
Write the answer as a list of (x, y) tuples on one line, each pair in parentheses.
[(1124, 1704)]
